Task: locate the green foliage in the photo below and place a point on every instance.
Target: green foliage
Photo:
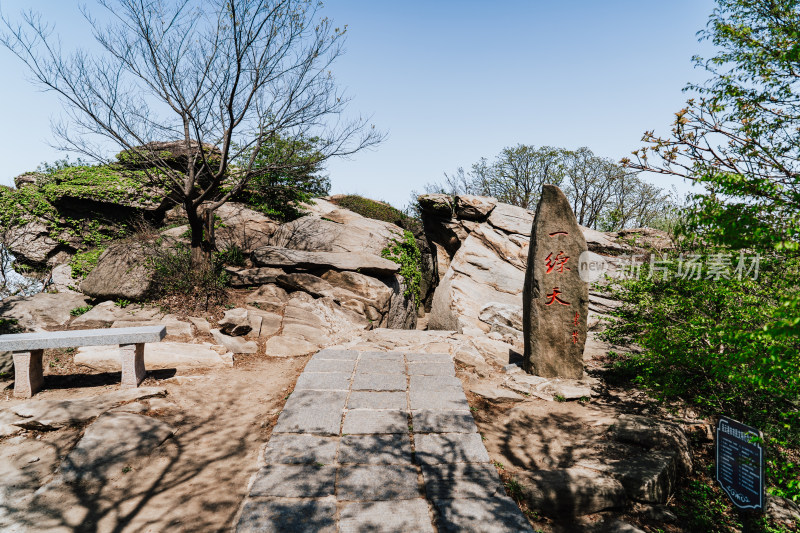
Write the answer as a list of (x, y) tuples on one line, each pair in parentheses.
[(286, 174), (602, 194), (702, 506), (122, 303), (379, 211), (514, 489), (102, 183), (723, 345), (233, 255), (738, 138), (84, 262), (406, 254), (59, 164), (78, 311), (61, 183), (706, 509)]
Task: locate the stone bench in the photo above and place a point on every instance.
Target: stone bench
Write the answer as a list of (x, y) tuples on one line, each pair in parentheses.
[(28, 349)]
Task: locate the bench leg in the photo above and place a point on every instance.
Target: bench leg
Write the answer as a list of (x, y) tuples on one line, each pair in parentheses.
[(28, 375), (132, 365)]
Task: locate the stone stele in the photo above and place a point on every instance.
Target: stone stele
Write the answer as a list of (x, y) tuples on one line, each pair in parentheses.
[(555, 299)]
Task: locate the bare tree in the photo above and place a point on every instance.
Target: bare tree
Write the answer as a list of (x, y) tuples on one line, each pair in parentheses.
[(602, 193), (635, 203), (224, 77), (519, 172), (589, 182)]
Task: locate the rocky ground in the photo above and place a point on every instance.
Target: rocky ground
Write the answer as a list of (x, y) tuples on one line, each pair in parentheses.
[(177, 454)]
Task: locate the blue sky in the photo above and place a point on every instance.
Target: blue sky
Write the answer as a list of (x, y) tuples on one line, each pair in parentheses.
[(452, 81)]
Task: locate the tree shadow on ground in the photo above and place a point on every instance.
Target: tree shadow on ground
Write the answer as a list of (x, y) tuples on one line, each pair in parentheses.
[(101, 379), (188, 483)]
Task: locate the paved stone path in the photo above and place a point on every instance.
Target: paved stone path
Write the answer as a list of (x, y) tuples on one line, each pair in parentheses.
[(378, 442)]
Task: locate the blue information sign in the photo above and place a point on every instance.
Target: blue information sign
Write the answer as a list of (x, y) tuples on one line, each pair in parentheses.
[(740, 464)]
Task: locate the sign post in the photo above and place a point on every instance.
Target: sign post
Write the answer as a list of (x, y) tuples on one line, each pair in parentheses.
[(740, 466)]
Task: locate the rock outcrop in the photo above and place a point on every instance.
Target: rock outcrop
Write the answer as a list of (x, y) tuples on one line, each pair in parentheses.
[(275, 256), (243, 228), (334, 255), (481, 260)]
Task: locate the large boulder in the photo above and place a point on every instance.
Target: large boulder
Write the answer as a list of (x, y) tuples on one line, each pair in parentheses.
[(176, 154), (27, 179), (61, 279), (243, 228), (268, 298), (477, 275), (438, 205), (366, 296), (249, 277), (600, 242), (274, 256), (370, 290), (511, 219), (337, 230), (570, 491), (107, 313), (37, 243), (481, 260), (471, 207), (655, 434), (646, 238), (122, 271), (310, 324)]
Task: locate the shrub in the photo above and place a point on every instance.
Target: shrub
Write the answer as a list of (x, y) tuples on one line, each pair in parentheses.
[(233, 255), (9, 325), (713, 343), (288, 173), (406, 254), (370, 208), (174, 275), (378, 211)]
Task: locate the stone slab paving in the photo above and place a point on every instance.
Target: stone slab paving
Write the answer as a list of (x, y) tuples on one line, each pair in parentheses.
[(377, 442)]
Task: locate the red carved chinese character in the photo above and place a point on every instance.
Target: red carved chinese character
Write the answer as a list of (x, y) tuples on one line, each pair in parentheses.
[(576, 318), (558, 233), (554, 297), (559, 262), (574, 337)]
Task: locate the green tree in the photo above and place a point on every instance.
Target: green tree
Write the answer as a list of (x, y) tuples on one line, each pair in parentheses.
[(287, 172), (738, 137)]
